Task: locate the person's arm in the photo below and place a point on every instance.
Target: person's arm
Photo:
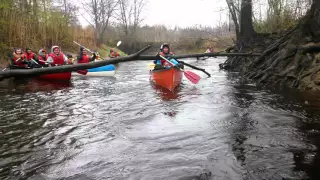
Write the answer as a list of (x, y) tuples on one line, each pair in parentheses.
[(50, 60), (35, 57), (93, 57), (65, 59)]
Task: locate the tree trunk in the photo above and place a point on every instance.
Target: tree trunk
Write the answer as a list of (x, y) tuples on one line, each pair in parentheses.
[(312, 24), (246, 24)]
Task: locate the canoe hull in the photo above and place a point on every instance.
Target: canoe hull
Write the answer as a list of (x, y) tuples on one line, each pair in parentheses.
[(167, 78), (108, 70), (97, 74), (65, 76)]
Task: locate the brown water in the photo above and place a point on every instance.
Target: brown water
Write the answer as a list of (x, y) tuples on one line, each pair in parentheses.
[(124, 128)]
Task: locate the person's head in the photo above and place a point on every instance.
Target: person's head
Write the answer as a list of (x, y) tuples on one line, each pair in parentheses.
[(111, 50), (42, 52), (83, 51), (55, 49), (165, 48), (18, 51), (69, 56), (28, 50)]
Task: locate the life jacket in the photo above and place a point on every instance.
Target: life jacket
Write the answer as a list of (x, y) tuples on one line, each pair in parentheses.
[(114, 54), (84, 59), (16, 57), (162, 62), (29, 56), (41, 58), (57, 59)]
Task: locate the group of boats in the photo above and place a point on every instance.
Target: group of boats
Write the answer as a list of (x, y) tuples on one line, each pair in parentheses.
[(108, 70), (168, 78)]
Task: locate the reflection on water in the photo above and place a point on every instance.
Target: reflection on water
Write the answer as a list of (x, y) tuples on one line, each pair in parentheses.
[(127, 128)]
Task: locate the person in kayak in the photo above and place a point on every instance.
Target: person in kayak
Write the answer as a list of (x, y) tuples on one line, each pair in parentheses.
[(18, 58), (84, 57), (43, 56), (56, 57), (165, 52), (113, 54), (32, 58)]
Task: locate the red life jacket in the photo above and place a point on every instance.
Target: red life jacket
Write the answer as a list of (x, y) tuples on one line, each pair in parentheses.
[(165, 55), (57, 59), (29, 56), (84, 59), (20, 62), (43, 59), (114, 54)]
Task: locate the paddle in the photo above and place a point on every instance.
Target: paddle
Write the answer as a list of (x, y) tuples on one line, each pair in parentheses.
[(194, 78)]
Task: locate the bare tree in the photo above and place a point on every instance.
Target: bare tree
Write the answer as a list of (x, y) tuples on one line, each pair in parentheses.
[(234, 11), (130, 15), (100, 12)]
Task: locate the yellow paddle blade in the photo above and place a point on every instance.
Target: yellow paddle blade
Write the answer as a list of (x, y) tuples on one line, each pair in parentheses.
[(151, 66)]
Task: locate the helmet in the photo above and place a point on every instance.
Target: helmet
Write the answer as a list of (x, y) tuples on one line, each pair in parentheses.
[(164, 45), (69, 56)]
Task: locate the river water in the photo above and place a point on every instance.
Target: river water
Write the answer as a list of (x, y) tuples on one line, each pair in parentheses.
[(125, 128)]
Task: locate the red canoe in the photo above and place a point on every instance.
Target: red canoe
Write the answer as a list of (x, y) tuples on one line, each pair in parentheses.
[(167, 78), (64, 76)]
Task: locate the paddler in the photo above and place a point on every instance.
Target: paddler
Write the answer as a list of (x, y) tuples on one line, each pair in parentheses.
[(56, 57), (18, 58), (165, 52), (70, 59), (84, 57), (113, 54), (43, 56), (32, 58)]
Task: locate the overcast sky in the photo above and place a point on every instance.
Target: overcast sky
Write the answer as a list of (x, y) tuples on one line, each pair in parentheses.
[(183, 12)]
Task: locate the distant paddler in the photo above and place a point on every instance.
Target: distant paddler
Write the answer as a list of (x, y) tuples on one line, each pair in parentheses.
[(113, 53)]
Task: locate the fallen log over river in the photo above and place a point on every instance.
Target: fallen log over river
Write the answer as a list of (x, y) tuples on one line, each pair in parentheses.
[(150, 57), (136, 56)]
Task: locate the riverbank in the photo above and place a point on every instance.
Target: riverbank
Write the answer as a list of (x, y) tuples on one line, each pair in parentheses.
[(290, 58)]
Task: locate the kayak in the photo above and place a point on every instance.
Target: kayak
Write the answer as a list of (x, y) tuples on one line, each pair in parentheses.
[(64, 76), (108, 70), (168, 78)]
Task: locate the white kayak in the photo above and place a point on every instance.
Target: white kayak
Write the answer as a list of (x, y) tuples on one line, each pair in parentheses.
[(108, 70)]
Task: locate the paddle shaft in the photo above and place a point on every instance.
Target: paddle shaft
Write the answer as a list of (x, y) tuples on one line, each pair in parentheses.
[(170, 62), (83, 46)]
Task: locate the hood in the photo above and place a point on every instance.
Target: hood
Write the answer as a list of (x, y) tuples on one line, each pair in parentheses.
[(53, 47), (40, 52)]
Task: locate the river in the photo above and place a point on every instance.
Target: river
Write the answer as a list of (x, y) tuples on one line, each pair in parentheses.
[(125, 128)]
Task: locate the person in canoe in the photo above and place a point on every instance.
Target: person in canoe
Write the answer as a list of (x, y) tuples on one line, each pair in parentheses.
[(84, 57), (32, 58), (165, 52), (113, 54), (70, 59), (43, 56), (56, 57), (18, 58)]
